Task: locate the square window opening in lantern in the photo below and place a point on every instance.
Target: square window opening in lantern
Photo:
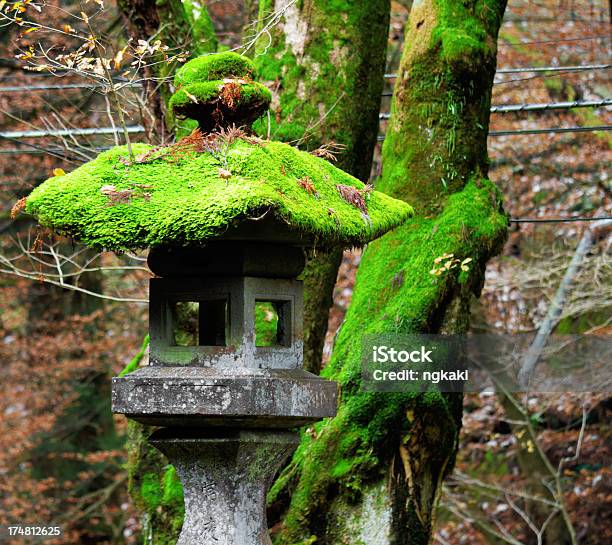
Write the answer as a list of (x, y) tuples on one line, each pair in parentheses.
[(272, 323), (200, 323)]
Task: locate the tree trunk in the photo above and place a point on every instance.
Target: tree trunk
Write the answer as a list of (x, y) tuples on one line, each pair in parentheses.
[(374, 472), (325, 65)]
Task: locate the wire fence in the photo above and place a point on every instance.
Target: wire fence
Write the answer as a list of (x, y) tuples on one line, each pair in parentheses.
[(558, 220), (43, 151), (539, 107), (61, 87), (541, 69), (381, 138), (90, 131)]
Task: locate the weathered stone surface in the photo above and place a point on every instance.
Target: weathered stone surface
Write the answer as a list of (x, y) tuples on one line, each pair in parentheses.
[(229, 258), (225, 476), (241, 294), (224, 402), (196, 396)]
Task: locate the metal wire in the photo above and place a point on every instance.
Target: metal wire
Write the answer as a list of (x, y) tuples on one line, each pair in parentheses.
[(551, 130), (559, 40), (574, 68), (557, 220), (71, 132), (526, 69), (43, 151), (381, 138), (57, 87), (538, 107), (508, 108), (60, 154)]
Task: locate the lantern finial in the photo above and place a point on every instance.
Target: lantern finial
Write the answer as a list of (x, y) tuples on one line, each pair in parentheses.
[(218, 91)]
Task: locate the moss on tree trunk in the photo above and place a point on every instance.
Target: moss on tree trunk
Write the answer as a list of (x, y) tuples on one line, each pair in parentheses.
[(325, 63), (435, 158)]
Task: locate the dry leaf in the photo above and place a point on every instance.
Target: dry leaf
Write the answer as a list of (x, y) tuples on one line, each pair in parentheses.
[(353, 196), (18, 207), (306, 184), (225, 174), (118, 59)]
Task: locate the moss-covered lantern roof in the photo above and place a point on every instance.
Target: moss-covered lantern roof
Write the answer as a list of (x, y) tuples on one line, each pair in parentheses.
[(209, 185)]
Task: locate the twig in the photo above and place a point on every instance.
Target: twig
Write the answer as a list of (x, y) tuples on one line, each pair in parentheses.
[(113, 91), (556, 308)]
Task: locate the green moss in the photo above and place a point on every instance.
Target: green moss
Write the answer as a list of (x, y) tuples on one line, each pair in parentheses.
[(266, 324), (214, 67), (402, 296), (135, 362), (153, 484), (463, 29), (191, 99), (172, 487), (201, 90), (394, 293), (154, 488), (151, 491), (437, 132), (203, 38), (329, 86), (183, 200), (217, 90)]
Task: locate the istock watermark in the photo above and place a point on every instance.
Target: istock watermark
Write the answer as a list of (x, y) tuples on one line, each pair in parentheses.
[(384, 354), (474, 363)]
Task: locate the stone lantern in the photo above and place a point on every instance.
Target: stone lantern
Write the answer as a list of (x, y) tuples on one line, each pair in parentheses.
[(229, 220)]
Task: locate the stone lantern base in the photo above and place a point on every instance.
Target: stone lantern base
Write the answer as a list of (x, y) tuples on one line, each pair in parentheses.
[(205, 396), (225, 476), (226, 432)]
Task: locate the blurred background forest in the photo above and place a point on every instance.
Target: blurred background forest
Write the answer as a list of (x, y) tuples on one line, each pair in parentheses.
[(62, 459)]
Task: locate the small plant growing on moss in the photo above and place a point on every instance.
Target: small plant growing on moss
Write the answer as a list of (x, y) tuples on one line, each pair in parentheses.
[(446, 262), (328, 151), (195, 142), (308, 186)]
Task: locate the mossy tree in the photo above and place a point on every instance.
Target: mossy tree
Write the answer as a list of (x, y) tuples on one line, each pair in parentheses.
[(374, 472), (324, 61)]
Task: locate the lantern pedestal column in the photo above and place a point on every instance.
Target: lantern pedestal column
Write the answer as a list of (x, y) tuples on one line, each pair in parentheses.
[(225, 381), (225, 476)]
